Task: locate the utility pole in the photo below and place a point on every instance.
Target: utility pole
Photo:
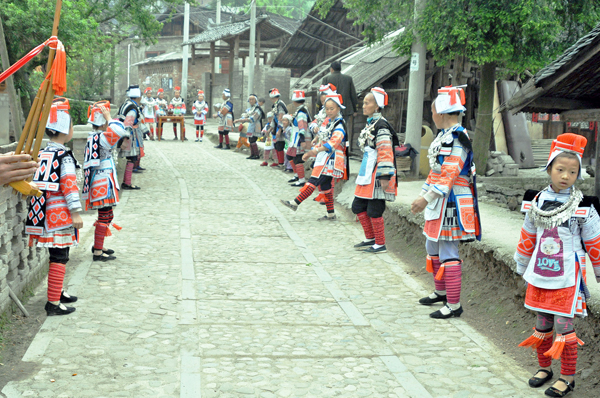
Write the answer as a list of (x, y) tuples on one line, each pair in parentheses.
[(186, 37), (15, 108), (252, 47), (416, 90), (218, 59)]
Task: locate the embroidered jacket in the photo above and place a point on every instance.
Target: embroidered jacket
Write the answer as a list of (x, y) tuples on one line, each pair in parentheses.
[(254, 114), (546, 257), (177, 105), (57, 179), (149, 107), (300, 133), (279, 109), (200, 109), (130, 114), (378, 161), (332, 162), (225, 116), (450, 183), (101, 184), (163, 105)]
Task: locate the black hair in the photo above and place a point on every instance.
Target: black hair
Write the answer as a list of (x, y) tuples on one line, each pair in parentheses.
[(300, 101), (52, 133), (454, 113), (261, 99), (336, 66)]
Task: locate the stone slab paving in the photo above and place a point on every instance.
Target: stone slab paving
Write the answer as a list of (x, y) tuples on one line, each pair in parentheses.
[(220, 291)]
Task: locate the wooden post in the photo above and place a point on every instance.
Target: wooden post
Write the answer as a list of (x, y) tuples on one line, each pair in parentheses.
[(597, 175), (193, 54)]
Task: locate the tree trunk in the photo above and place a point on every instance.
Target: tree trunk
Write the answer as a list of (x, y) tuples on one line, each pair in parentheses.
[(15, 111), (484, 126)]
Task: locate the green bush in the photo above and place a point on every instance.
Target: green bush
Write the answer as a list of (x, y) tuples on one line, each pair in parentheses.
[(78, 111)]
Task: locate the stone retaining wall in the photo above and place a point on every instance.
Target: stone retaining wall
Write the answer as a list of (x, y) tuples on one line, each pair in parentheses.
[(21, 267)]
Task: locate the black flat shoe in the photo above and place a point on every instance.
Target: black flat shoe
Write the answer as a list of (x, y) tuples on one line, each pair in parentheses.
[(65, 299), (293, 180), (536, 382), (364, 244), (141, 168), (105, 251), (127, 186), (52, 309), (371, 249), (104, 257), (439, 315), (220, 146), (428, 300), (137, 171), (555, 392), (227, 147)]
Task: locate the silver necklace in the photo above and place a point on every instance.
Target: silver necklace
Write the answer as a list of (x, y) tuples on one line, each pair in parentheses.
[(553, 218)]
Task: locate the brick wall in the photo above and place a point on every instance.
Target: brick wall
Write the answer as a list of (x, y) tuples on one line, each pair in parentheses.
[(21, 267)]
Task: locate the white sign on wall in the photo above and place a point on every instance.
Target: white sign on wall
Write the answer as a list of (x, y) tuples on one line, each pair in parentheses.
[(414, 62)]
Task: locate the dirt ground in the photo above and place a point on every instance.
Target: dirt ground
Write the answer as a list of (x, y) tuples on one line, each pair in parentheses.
[(16, 335)]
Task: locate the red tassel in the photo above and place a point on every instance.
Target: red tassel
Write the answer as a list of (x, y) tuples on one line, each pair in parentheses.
[(429, 266), (116, 227), (557, 347), (440, 274), (536, 339)]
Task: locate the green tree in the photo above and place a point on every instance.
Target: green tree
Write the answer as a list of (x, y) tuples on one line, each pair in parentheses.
[(517, 35), (88, 29)]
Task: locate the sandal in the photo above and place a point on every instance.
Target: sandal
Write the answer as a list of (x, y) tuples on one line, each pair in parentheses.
[(555, 392), (540, 381), (127, 186)]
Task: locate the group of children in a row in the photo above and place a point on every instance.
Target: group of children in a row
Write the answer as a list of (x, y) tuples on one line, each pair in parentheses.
[(152, 108), (561, 225)]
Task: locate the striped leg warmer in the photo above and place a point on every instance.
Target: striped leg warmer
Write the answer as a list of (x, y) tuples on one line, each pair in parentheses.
[(568, 358), (128, 172), (365, 221), (329, 200), (197, 131), (300, 171), (280, 157), (305, 193), (56, 276), (379, 229), (452, 274)]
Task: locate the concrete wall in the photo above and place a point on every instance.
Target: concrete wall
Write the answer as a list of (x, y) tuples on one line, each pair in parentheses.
[(21, 267)]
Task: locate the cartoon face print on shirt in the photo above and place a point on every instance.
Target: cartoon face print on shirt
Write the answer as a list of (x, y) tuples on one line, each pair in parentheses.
[(550, 246)]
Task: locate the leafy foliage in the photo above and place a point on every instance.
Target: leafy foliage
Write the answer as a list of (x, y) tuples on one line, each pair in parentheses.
[(516, 34), (88, 29)]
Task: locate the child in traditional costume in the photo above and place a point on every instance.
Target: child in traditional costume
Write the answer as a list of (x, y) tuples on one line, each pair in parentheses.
[(561, 226), (242, 139), (279, 109), (132, 148), (376, 180), (200, 109), (177, 106), (300, 141), (101, 186), (449, 199), (149, 108), (163, 106), (225, 116), (268, 141), (53, 219), (320, 124), (253, 117), (330, 160)]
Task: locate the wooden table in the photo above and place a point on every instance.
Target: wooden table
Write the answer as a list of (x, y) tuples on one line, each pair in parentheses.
[(170, 119)]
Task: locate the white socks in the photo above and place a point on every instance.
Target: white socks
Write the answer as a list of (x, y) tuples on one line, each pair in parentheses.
[(437, 294), (376, 246), (454, 307)]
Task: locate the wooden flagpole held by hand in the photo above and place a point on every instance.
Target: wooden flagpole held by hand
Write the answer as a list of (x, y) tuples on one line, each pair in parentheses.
[(33, 132)]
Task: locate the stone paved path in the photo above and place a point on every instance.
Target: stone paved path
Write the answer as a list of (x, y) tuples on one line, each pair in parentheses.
[(220, 291)]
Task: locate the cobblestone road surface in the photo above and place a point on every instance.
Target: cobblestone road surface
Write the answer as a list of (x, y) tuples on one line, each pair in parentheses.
[(220, 291)]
